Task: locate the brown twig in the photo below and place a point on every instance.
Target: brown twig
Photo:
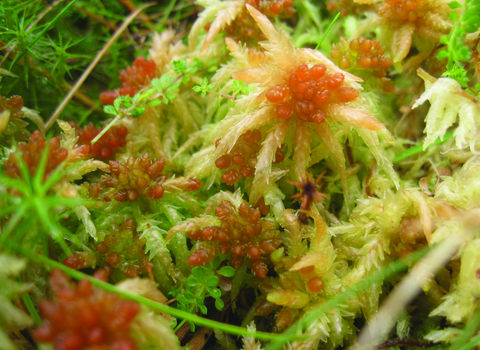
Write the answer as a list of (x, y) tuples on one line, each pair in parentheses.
[(200, 338), (348, 150), (407, 342), (43, 14), (92, 65), (408, 110), (130, 6), (229, 96), (183, 331), (95, 17), (87, 101)]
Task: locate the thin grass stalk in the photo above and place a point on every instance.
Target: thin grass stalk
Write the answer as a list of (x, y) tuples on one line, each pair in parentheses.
[(92, 65), (376, 329), (388, 271), (231, 329)]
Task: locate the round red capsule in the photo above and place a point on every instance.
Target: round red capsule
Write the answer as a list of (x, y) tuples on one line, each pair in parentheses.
[(315, 284), (318, 71), (285, 111), (303, 73), (223, 162)]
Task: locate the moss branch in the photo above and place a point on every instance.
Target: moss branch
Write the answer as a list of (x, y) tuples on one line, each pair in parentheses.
[(227, 328)]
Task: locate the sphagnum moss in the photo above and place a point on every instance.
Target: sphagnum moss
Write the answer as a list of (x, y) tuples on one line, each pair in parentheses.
[(192, 200)]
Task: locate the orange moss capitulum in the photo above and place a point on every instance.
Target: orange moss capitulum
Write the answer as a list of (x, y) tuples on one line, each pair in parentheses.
[(284, 318), (80, 260), (307, 91), (345, 7), (243, 28), (404, 10), (361, 55), (133, 79), (32, 153), (122, 249), (84, 317), (141, 176), (136, 176), (241, 160), (264, 209), (94, 189), (14, 104), (242, 233), (106, 146)]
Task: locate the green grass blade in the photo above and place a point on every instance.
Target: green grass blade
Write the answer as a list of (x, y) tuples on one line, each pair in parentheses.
[(49, 226), (40, 172), (328, 30), (419, 148), (31, 309), (16, 184), (231, 329), (468, 332), (25, 174), (45, 29), (168, 10), (13, 221)]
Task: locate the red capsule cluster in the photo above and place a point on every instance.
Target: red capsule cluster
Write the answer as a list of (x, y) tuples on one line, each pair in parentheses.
[(345, 7), (360, 55), (286, 281), (85, 318), (135, 177), (14, 104), (94, 190), (32, 153), (264, 209), (244, 28), (133, 79), (403, 10), (106, 146), (307, 91), (314, 283), (241, 160), (242, 233), (123, 249), (80, 260)]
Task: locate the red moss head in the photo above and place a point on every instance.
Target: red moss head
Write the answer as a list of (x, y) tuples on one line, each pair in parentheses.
[(133, 78), (138, 176), (85, 317), (14, 104), (32, 152), (242, 232), (106, 146)]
